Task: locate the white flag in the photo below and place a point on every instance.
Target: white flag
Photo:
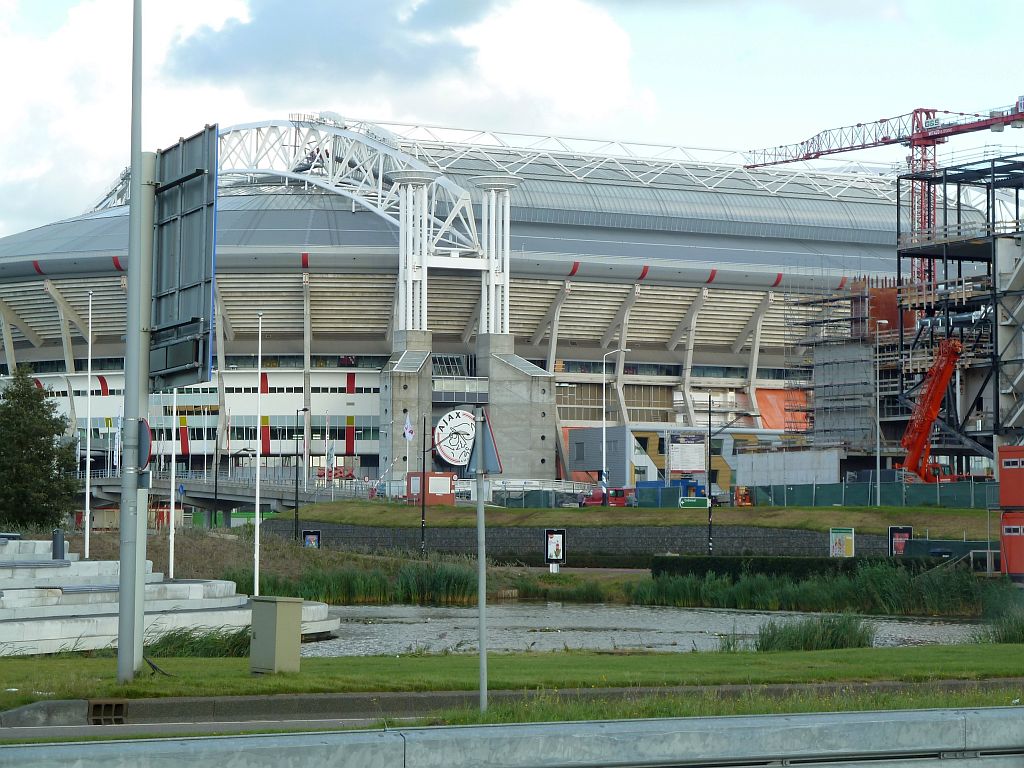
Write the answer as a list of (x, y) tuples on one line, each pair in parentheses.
[(409, 433)]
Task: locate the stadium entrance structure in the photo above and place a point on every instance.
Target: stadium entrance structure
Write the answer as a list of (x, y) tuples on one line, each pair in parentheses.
[(359, 243)]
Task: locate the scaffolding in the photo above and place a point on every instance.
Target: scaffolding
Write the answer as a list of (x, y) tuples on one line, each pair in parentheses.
[(972, 291)]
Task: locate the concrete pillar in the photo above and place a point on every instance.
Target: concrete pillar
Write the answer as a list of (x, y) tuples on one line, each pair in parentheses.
[(406, 391), (521, 408)]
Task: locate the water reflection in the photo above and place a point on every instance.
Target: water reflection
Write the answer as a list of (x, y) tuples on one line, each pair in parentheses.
[(522, 626)]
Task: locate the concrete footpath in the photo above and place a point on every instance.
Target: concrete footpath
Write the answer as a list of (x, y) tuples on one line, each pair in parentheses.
[(70, 720)]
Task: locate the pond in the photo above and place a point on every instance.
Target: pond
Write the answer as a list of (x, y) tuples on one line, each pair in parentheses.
[(540, 626)]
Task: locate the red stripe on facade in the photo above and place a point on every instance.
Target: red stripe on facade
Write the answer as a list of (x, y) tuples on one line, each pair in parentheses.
[(117, 264), (305, 261), (643, 273), (350, 435), (183, 436), (104, 387), (575, 268), (39, 384), (778, 279), (350, 382), (264, 383), (265, 438), (842, 284), (37, 268), (711, 277)]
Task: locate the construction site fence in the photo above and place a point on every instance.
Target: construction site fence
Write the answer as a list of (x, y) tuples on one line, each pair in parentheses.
[(960, 495)]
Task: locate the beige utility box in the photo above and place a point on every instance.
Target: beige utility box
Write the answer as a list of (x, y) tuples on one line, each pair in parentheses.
[(276, 634)]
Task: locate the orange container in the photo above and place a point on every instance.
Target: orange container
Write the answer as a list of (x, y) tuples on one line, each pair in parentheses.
[(1011, 476), (1011, 545)]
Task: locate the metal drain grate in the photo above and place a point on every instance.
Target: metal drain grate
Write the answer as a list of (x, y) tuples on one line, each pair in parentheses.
[(107, 711)]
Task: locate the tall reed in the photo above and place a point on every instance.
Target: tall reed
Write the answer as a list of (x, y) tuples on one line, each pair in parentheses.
[(816, 633), (877, 588)]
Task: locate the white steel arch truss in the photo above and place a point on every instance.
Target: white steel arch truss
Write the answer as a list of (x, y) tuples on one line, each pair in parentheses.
[(356, 160)]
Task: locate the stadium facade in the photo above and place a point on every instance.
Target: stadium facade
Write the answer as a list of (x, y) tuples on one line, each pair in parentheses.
[(401, 270)]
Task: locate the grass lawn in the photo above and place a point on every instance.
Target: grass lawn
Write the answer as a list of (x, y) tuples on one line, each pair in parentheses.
[(39, 678), (938, 522)]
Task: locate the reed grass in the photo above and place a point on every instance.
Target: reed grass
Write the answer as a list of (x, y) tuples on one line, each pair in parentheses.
[(418, 583), (225, 642), (816, 633), (875, 588), (567, 589), (1007, 628)]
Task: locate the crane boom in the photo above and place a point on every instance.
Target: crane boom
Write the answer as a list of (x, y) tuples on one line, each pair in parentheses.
[(921, 127), (917, 438)]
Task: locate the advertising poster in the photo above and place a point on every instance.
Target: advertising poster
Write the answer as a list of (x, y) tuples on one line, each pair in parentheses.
[(554, 546), (311, 539), (899, 535), (840, 542)]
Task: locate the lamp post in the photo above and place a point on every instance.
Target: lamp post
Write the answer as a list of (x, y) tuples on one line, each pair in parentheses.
[(604, 418), (878, 417), (259, 454), (295, 528), (88, 435)]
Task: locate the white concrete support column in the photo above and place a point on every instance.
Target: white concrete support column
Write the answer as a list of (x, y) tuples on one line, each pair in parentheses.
[(753, 330), (414, 247), (66, 316), (484, 324), (8, 340), (496, 240), (506, 250), (492, 261), (687, 328), (422, 252), (550, 319)]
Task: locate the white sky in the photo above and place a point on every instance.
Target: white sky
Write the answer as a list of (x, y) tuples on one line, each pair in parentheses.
[(731, 74)]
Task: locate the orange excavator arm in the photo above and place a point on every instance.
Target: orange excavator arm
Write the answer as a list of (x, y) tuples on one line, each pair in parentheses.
[(917, 438)]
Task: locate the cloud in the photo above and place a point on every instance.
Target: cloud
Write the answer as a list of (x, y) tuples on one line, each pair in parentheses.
[(311, 49)]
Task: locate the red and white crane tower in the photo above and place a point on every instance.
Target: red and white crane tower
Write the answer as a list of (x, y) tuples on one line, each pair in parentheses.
[(921, 130)]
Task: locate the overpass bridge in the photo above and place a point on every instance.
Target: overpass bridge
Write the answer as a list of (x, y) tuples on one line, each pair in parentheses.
[(225, 491)]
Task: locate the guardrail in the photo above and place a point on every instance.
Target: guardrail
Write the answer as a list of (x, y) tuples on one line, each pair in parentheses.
[(986, 738)]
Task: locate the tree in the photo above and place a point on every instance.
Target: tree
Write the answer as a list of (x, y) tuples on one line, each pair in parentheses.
[(37, 460)]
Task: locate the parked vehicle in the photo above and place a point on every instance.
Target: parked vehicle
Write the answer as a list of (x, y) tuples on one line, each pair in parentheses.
[(617, 497)]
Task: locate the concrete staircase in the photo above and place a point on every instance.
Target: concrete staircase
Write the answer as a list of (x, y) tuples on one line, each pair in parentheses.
[(48, 606)]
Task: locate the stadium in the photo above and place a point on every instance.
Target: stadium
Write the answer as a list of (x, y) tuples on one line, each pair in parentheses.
[(391, 272)]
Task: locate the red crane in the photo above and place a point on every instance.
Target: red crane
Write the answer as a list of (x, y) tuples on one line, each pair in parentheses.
[(921, 130), (917, 438)]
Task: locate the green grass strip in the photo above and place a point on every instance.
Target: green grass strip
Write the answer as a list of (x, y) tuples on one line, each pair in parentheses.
[(35, 678)]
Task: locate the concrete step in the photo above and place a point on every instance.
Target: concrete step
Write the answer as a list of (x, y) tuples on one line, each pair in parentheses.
[(49, 635), (109, 608), (65, 573), (107, 594), (30, 549)]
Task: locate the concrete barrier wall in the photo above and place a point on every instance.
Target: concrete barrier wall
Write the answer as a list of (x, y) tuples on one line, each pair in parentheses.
[(983, 738), (625, 539)]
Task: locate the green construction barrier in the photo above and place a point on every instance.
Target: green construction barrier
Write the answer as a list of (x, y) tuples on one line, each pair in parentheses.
[(829, 495)]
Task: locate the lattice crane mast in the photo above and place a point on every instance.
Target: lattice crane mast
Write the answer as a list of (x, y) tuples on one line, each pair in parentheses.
[(921, 130), (917, 438)]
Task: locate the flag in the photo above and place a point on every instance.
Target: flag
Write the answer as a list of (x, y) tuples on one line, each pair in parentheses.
[(117, 441), (409, 433)]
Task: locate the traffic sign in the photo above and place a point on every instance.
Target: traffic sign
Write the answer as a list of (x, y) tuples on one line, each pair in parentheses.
[(485, 444)]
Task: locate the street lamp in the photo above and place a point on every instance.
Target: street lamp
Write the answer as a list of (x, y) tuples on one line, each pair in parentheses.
[(604, 418), (878, 417), (295, 528)]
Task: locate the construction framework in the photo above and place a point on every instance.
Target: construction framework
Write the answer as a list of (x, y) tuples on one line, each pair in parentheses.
[(974, 294)]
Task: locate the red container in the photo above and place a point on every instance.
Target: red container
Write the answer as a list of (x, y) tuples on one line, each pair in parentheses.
[(1011, 476), (1011, 545)]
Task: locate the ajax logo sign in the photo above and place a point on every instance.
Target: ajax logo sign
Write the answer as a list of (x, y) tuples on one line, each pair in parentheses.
[(454, 435)]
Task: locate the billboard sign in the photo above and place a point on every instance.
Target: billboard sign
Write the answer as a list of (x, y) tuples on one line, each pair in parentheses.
[(687, 453), (840, 542), (184, 264), (899, 535), (554, 546)]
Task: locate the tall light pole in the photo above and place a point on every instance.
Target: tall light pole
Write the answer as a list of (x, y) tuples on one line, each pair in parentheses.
[(604, 418), (295, 528), (88, 434), (259, 454), (878, 417)]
